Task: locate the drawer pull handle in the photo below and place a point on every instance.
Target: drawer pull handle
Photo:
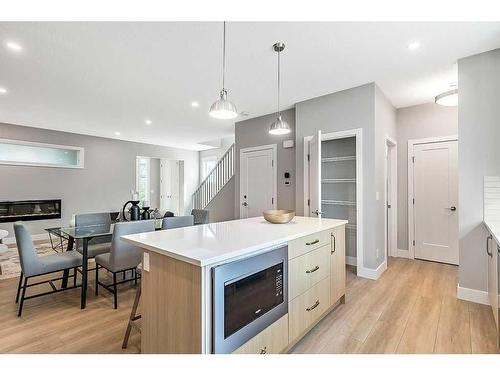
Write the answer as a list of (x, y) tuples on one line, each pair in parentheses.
[(263, 350), (487, 245), (334, 243), (312, 242), (313, 270), (316, 304)]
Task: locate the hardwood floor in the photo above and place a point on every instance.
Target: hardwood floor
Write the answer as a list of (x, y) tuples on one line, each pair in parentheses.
[(412, 308)]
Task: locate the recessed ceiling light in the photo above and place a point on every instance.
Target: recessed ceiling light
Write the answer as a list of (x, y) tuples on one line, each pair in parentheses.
[(14, 46), (414, 46), (195, 104), (3, 90), (117, 133), (148, 122)]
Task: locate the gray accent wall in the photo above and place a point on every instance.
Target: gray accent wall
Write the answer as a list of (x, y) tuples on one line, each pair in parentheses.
[(103, 185), (254, 132), (479, 155), (222, 206), (416, 122)]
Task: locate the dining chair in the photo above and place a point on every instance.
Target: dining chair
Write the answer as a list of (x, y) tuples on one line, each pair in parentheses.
[(200, 216), (123, 256), (98, 245), (33, 265), (177, 222), (3, 247)]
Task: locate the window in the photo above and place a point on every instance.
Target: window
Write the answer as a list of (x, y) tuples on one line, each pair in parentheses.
[(207, 164), (15, 152), (142, 179)]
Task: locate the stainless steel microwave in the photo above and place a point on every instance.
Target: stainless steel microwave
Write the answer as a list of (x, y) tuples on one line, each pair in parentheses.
[(248, 296)]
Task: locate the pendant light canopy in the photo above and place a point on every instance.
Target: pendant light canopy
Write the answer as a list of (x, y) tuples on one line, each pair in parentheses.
[(223, 109), (279, 126), (448, 98)]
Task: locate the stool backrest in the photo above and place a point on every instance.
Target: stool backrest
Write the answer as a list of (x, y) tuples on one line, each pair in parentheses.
[(122, 251), (200, 216), (177, 222)]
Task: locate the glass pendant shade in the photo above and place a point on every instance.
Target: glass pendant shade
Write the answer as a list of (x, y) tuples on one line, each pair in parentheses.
[(223, 109), (448, 98), (279, 127)]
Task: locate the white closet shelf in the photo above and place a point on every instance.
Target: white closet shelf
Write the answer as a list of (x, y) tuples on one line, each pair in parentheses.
[(338, 158), (338, 180), (338, 203)]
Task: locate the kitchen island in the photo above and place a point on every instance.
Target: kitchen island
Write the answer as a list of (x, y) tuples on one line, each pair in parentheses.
[(179, 293)]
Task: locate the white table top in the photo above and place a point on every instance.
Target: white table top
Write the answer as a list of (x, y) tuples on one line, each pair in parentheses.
[(209, 244), (493, 227)]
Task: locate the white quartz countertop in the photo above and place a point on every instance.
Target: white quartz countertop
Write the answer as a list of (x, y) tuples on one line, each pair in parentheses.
[(209, 244), (493, 227)]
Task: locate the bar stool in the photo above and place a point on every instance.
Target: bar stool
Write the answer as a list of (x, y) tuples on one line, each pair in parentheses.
[(133, 314)]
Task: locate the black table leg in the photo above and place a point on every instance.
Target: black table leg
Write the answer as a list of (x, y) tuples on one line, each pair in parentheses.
[(64, 282), (84, 272)]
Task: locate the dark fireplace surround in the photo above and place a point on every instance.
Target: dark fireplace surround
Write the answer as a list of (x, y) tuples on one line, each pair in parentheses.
[(41, 209)]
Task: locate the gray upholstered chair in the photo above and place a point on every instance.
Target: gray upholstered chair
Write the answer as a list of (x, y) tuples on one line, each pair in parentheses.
[(200, 216), (32, 265), (177, 222), (123, 255), (99, 245)]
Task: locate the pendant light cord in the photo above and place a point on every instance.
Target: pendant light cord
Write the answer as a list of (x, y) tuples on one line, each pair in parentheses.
[(279, 113), (224, 56)]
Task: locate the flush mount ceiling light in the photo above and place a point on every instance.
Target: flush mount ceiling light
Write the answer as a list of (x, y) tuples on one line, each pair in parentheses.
[(279, 126), (448, 98), (223, 109)]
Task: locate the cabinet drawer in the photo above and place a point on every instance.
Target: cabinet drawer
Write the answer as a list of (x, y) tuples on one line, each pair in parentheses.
[(272, 340), (304, 310), (305, 244), (307, 270)]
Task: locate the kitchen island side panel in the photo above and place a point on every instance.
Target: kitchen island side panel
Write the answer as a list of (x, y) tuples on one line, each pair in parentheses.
[(171, 306)]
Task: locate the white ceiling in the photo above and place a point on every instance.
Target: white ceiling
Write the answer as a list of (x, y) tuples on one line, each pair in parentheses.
[(100, 78)]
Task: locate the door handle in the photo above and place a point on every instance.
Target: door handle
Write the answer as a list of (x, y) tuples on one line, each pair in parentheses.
[(317, 212), (487, 243), (452, 208), (244, 204)]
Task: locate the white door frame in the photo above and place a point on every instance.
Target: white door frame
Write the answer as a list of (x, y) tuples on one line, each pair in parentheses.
[(393, 225), (411, 218), (358, 133), (274, 148)]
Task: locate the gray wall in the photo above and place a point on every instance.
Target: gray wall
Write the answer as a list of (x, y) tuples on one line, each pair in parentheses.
[(385, 126), (343, 110), (254, 132), (222, 206), (103, 185), (416, 122), (479, 155)]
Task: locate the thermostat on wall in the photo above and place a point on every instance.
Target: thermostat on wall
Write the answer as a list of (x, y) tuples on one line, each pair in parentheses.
[(288, 143)]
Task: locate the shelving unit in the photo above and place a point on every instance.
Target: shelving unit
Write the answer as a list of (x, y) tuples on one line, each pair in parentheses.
[(338, 180)]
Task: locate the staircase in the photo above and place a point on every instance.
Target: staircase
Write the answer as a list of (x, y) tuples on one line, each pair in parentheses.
[(215, 181)]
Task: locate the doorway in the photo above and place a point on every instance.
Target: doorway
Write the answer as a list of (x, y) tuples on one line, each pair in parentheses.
[(171, 186), (433, 199), (258, 180), (391, 197)]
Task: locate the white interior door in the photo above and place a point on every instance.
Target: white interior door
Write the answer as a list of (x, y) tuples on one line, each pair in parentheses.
[(258, 180), (169, 186), (315, 176), (435, 188)]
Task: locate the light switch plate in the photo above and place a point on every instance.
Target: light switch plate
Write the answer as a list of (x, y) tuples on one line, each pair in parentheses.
[(145, 262), (288, 143)]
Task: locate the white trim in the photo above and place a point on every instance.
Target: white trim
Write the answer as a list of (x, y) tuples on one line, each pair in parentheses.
[(473, 295), (148, 178), (358, 133), (352, 261), (34, 237), (393, 146), (370, 273), (81, 154), (411, 143), (274, 148), (401, 253)]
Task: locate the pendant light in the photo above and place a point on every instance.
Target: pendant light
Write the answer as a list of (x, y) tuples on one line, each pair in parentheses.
[(223, 109), (448, 98), (279, 126)]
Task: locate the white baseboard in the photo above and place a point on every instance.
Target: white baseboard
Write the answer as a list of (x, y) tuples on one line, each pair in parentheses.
[(352, 261), (472, 295), (34, 237), (370, 273), (400, 253)]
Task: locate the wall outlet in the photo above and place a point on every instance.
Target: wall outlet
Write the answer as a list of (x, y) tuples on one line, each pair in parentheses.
[(145, 262), (377, 253), (377, 196)]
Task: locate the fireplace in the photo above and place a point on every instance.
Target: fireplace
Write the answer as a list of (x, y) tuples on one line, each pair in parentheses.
[(30, 210)]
